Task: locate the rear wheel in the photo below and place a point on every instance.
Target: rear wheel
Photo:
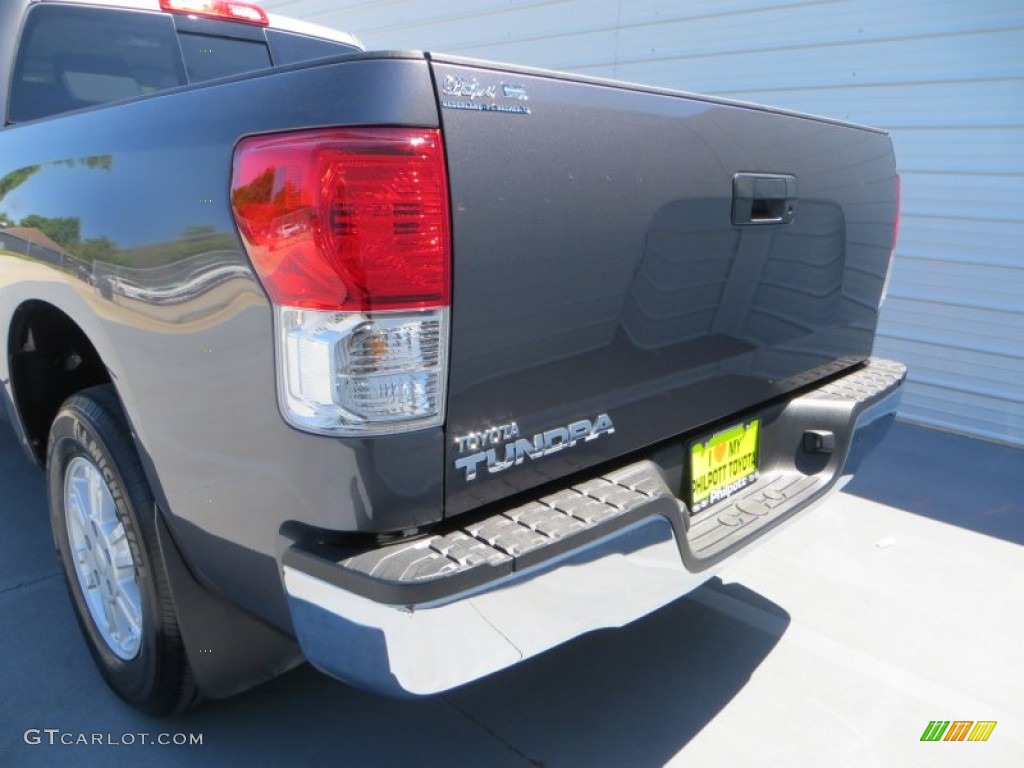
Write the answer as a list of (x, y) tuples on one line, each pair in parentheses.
[(102, 513)]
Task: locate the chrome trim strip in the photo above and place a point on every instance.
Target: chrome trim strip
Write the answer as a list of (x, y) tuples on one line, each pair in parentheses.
[(417, 650)]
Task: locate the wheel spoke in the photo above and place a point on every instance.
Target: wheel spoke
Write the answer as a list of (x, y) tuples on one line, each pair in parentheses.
[(106, 512), (117, 535), (128, 611), (76, 521), (124, 565), (95, 490), (80, 495), (109, 614), (88, 569), (120, 631)]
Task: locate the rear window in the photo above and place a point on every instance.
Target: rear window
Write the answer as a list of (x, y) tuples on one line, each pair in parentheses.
[(290, 48), (73, 57), (208, 57)]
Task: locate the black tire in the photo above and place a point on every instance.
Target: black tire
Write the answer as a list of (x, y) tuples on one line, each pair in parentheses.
[(91, 424)]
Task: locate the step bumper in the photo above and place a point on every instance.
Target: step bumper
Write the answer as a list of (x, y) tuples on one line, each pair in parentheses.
[(422, 617)]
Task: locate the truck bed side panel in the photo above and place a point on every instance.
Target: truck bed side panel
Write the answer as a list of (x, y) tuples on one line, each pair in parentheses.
[(158, 279)]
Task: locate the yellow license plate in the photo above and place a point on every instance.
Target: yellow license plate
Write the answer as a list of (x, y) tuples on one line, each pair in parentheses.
[(723, 464)]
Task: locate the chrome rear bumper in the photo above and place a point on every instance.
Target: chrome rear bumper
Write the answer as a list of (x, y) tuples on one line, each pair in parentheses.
[(425, 616)]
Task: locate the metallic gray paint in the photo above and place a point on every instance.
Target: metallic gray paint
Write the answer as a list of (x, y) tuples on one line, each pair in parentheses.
[(597, 269)]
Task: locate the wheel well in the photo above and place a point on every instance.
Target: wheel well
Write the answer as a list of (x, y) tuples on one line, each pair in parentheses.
[(50, 359)]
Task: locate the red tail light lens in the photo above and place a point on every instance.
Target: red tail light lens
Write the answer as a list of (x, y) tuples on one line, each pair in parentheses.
[(346, 219), (218, 9)]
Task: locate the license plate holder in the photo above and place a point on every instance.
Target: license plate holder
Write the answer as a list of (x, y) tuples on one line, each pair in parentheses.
[(723, 463)]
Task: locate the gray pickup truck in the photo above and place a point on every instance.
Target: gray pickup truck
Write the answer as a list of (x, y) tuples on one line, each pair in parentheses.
[(407, 365)]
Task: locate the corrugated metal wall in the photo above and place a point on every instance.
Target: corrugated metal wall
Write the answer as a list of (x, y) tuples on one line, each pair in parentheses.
[(947, 78)]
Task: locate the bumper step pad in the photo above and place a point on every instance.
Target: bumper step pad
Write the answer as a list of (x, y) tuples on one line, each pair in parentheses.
[(517, 537)]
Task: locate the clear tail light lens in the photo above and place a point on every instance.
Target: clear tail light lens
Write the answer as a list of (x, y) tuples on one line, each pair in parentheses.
[(355, 372), (348, 231)]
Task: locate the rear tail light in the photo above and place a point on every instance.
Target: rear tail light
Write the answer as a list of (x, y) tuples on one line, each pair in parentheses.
[(218, 9), (348, 230)]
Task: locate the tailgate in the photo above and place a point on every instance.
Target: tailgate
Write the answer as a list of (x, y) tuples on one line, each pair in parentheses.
[(631, 265)]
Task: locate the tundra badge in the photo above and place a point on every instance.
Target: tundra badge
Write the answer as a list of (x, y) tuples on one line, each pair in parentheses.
[(486, 443)]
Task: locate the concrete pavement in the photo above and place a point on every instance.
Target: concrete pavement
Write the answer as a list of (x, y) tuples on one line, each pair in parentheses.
[(835, 644)]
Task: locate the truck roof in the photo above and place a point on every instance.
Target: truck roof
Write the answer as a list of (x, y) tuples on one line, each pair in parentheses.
[(277, 21), (12, 13)]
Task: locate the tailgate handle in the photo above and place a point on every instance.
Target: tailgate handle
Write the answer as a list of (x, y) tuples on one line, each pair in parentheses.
[(763, 198)]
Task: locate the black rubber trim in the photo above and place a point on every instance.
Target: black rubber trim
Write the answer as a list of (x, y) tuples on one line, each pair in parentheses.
[(210, 627), (320, 561), (804, 480)]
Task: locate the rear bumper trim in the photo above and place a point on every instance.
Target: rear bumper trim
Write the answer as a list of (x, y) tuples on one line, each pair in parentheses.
[(423, 617)]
